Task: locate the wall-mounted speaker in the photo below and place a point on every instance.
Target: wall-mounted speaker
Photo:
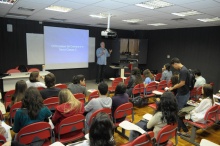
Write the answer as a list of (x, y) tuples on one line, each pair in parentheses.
[(9, 28)]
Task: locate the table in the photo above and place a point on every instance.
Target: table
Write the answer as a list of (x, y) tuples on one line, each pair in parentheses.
[(216, 97), (8, 82), (122, 70)]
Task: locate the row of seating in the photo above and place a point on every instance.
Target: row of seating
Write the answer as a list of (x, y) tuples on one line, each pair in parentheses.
[(16, 70)]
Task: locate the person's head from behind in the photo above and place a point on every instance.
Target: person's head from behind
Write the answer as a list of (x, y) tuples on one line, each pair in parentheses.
[(50, 80), (207, 91), (34, 76), (175, 62), (101, 131), (103, 88), (174, 79), (147, 73), (32, 101), (66, 96), (20, 88), (102, 45), (75, 80), (167, 66), (135, 71), (120, 89), (169, 108), (197, 73), (81, 79)]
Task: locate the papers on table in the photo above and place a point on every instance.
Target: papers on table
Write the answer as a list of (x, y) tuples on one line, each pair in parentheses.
[(114, 78), (157, 82), (192, 103), (57, 144), (157, 92), (147, 116), (91, 90), (7, 129), (87, 136), (2, 108), (130, 126), (166, 89), (216, 96)]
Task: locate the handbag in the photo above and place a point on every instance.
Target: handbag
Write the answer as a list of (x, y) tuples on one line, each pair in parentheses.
[(186, 110)]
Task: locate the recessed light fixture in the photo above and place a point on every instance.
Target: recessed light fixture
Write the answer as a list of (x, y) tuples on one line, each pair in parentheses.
[(133, 20), (9, 2), (187, 13), (25, 9), (209, 19), (58, 8), (154, 4), (58, 20), (157, 24), (100, 15)]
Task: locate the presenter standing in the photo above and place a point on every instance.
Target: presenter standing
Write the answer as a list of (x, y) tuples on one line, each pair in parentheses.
[(101, 53)]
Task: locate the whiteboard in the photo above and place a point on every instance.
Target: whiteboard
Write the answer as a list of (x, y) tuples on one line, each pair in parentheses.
[(35, 49)]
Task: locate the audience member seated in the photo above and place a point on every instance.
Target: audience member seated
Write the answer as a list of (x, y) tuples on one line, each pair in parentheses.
[(200, 81), (166, 113), (51, 90), (78, 85), (174, 80), (98, 103), (166, 73), (119, 98), (101, 132), (69, 106), (20, 88), (135, 79), (34, 80), (148, 77), (32, 110)]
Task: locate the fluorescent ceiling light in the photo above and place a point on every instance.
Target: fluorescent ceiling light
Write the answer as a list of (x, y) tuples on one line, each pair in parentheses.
[(133, 20), (100, 15), (209, 19), (154, 4), (9, 2), (157, 24), (187, 13), (19, 16), (58, 8)]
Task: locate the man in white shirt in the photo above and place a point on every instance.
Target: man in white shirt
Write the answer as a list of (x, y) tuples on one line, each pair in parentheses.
[(200, 81)]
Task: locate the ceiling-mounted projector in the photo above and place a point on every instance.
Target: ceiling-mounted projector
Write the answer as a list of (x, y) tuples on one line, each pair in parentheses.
[(108, 33)]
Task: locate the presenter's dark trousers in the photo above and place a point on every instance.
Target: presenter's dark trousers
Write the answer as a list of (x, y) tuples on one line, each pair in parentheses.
[(100, 73)]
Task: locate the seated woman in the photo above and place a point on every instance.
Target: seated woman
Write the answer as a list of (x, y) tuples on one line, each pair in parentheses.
[(166, 73), (20, 88), (148, 77), (69, 106), (34, 80), (119, 98), (174, 80), (166, 113), (135, 79), (78, 85), (101, 132), (32, 110)]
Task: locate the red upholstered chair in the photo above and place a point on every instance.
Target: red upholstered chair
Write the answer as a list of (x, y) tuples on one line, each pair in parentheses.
[(70, 129), (81, 97), (40, 88), (13, 110), (13, 71), (195, 93), (123, 110), (138, 90), (150, 88), (158, 76), (61, 86), (51, 103), (141, 140), (35, 132), (33, 69), (7, 97), (210, 114), (169, 84), (2, 140), (114, 84), (104, 110), (166, 133), (126, 81), (94, 94), (216, 119), (162, 85)]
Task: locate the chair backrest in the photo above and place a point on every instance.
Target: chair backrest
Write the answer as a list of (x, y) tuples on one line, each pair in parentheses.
[(34, 132), (71, 124), (199, 91), (211, 112), (158, 76), (104, 110), (2, 139), (13, 110), (61, 86), (51, 103), (123, 111), (7, 97), (143, 140), (80, 96), (162, 85), (193, 92), (94, 94), (116, 81), (151, 87), (138, 89), (13, 71), (40, 88), (33, 69), (166, 133), (126, 81), (22, 68)]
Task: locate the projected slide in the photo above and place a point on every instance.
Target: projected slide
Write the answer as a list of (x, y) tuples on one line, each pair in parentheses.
[(65, 48)]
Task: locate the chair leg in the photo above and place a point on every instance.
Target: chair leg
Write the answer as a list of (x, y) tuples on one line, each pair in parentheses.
[(122, 133), (192, 138)]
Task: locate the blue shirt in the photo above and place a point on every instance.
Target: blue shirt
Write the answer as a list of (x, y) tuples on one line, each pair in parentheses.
[(102, 54), (147, 80)]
